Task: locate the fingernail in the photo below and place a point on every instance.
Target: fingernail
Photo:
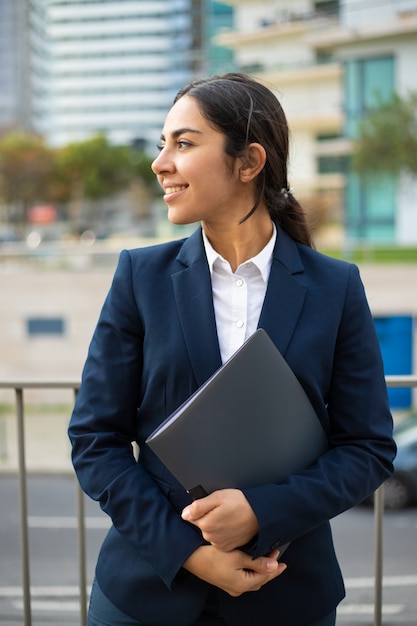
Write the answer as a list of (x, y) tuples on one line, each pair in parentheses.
[(186, 513), (271, 565)]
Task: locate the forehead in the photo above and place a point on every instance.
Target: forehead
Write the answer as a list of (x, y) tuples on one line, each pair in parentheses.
[(184, 114)]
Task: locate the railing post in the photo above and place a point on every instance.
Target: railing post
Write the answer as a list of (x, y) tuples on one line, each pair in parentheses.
[(82, 554), (82, 557), (24, 533), (378, 541)]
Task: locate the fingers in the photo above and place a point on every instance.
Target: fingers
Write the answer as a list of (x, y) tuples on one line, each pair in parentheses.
[(260, 571), (225, 518), (199, 508), (266, 564), (226, 522), (234, 572)]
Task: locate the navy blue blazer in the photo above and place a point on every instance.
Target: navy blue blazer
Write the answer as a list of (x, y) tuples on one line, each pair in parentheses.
[(154, 344)]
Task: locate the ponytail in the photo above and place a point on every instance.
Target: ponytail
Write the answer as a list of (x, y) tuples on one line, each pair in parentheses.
[(287, 212)]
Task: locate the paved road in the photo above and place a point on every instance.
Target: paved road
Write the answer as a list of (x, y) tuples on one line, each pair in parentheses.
[(53, 550)]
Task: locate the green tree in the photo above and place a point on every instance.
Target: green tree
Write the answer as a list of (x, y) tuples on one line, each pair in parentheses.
[(94, 169), (387, 138), (26, 171), (94, 165), (89, 170)]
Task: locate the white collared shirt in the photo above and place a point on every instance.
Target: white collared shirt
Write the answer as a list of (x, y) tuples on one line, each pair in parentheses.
[(238, 296)]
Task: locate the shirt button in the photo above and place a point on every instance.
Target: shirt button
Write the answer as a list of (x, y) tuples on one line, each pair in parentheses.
[(239, 282), (240, 324)]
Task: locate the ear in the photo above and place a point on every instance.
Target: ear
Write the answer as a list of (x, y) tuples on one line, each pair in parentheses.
[(253, 162)]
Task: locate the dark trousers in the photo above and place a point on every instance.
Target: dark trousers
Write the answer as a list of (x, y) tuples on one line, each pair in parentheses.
[(327, 620), (207, 620)]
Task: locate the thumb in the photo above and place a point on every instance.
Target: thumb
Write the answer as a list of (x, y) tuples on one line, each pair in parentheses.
[(266, 564), (197, 509), (263, 565)]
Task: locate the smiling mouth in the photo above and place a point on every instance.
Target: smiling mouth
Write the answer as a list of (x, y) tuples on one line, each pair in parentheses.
[(169, 190)]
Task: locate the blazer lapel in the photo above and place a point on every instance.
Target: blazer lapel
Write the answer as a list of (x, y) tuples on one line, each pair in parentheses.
[(192, 288), (285, 293)]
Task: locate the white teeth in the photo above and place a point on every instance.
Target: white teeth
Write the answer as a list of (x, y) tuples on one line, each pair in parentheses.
[(169, 190)]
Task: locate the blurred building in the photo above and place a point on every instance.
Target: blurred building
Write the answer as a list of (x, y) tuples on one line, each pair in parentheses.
[(24, 65), (329, 61), (218, 17), (117, 65), (72, 68)]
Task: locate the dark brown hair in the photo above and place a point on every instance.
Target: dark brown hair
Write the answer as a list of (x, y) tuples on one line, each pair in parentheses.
[(248, 112)]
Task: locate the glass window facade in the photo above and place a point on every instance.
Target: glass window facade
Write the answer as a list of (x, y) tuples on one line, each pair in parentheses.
[(370, 200)]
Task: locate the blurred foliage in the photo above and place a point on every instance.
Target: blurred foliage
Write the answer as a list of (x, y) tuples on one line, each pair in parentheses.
[(96, 169), (387, 138), (375, 254), (32, 173), (26, 169)]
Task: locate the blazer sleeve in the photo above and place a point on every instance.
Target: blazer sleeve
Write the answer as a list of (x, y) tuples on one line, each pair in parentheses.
[(360, 435), (102, 429)]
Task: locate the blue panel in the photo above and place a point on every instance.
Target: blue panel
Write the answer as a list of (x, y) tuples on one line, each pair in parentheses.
[(395, 336), (45, 326)]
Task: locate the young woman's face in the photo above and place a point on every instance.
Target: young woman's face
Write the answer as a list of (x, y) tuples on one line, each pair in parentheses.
[(200, 182)]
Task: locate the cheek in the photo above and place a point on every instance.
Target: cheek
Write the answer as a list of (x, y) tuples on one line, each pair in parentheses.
[(218, 174)]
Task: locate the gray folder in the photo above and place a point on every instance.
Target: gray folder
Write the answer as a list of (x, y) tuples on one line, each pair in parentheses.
[(250, 424)]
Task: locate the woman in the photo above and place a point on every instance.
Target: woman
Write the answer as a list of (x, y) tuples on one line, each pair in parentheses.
[(174, 313)]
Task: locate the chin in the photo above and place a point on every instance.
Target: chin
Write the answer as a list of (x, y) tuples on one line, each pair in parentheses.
[(178, 220)]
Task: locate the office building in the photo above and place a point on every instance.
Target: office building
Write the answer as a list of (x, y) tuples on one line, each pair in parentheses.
[(117, 65), (24, 65), (329, 62), (72, 68)]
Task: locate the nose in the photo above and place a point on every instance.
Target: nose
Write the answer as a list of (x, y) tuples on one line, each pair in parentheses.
[(162, 163)]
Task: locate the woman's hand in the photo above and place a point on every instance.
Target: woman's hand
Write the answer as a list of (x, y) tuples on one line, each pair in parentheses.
[(234, 572), (225, 518)]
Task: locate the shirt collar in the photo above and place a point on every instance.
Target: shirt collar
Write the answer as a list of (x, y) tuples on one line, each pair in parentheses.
[(263, 260)]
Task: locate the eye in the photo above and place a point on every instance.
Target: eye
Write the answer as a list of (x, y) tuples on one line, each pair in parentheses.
[(183, 144), (159, 147)]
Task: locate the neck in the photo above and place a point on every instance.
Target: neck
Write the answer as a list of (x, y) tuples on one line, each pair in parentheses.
[(239, 243)]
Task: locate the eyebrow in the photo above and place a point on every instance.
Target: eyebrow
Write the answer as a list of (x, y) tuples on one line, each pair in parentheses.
[(176, 133)]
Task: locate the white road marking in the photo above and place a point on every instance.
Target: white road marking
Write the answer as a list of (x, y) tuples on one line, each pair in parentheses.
[(39, 591), (64, 591), (387, 581), (65, 598), (74, 607), (95, 523), (50, 605), (368, 609)]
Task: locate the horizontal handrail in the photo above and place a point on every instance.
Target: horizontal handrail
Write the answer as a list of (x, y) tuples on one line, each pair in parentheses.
[(392, 380), (20, 385), (39, 384), (401, 380)]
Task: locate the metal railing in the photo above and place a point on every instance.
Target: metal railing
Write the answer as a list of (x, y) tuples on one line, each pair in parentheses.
[(20, 386)]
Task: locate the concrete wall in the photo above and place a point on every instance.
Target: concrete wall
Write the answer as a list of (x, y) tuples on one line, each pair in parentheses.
[(77, 297)]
